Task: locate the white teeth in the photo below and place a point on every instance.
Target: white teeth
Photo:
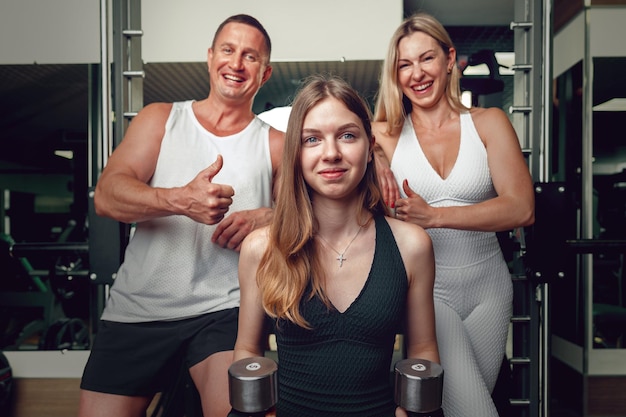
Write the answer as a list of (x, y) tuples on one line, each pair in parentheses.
[(423, 87), (230, 77)]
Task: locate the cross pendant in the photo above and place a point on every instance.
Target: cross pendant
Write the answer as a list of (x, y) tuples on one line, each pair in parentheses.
[(340, 258)]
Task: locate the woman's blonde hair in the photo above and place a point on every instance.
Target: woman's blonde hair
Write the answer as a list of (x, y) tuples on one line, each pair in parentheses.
[(392, 105), (290, 263)]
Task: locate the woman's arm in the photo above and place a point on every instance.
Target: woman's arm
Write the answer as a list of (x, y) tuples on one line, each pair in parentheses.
[(384, 146), (251, 333), (417, 253)]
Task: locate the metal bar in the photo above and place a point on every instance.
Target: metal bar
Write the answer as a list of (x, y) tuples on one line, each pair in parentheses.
[(530, 94), (597, 245), (521, 25), (131, 74), (105, 144), (46, 273), (20, 250), (118, 65), (521, 67), (134, 85), (520, 109), (132, 32)]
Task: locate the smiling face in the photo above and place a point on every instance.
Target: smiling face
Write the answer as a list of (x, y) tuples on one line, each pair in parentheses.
[(238, 62), (423, 68), (335, 150)]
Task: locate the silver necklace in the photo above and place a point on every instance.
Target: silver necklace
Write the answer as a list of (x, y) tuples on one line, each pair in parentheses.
[(341, 256)]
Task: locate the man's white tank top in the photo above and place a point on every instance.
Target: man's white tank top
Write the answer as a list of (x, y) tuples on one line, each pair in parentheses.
[(172, 270)]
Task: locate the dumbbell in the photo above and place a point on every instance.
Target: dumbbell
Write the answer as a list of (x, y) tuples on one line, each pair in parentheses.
[(419, 387), (252, 386)]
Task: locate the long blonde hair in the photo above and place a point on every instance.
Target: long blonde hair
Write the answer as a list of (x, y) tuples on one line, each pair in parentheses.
[(290, 263), (392, 105)]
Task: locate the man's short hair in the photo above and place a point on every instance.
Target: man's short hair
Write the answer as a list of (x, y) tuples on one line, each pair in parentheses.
[(250, 21)]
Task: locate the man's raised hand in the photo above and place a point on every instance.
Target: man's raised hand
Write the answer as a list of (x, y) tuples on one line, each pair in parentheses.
[(205, 201)]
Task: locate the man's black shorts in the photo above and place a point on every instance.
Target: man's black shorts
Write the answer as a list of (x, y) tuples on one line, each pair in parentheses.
[(139, 359)]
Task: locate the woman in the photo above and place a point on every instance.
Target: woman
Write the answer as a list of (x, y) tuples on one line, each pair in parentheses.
[(463, 178), (338, 276)]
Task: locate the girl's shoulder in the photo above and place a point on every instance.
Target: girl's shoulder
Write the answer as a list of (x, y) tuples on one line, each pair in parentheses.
[(256, 242), (409, 236)]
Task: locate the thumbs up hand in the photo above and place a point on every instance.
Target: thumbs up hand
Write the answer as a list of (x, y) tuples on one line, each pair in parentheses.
[(414, 208), (204, 201)]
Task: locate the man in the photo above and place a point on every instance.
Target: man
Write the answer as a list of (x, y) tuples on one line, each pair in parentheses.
[(180, 168)]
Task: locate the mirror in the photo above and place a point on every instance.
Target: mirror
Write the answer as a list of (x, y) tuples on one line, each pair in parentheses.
[(43, 182), (609, 208)]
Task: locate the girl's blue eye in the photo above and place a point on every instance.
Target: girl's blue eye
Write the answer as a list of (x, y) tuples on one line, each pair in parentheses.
[(310, 139), (347, 136)]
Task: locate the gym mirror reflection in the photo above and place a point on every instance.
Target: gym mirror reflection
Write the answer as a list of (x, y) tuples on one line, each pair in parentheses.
[(558, 207), (609, 196), (608, 208), (44, 288)]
